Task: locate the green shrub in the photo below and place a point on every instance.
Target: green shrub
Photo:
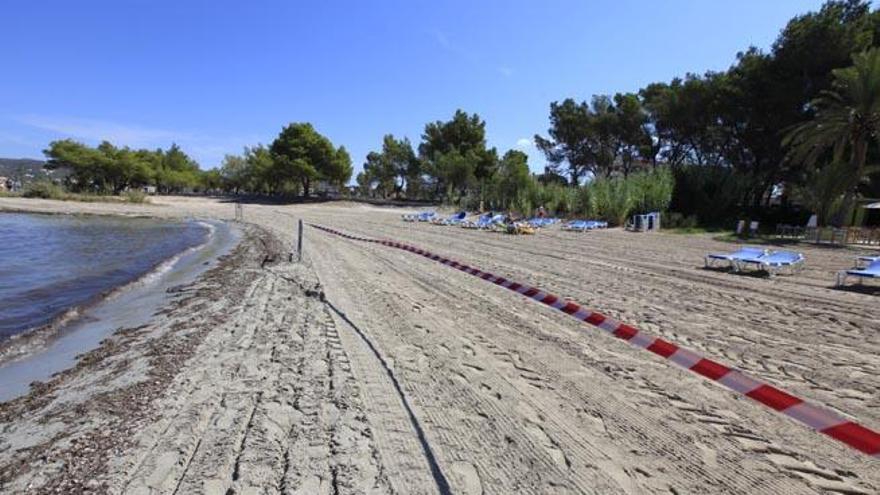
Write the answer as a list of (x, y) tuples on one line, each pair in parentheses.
[(523, 203), (551, 197), (44, 190), (136, 196), (652, 191), (613, 199), (568, 202), (585, 202)]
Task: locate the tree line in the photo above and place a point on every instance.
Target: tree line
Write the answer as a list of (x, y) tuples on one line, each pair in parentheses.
[(297, 158), (107, 169), (796, 123)]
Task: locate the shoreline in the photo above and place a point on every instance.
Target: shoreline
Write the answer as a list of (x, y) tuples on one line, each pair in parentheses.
[(36, 343), (73, 212), (126, 372), (30, 340)]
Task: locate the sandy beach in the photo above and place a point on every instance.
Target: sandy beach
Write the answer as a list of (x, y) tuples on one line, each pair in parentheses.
[(370, 370)]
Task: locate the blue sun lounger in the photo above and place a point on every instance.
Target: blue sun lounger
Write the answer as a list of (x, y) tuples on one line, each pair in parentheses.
[(424, 216), (580, 225), (451, 220), (731, 258), (870, 271), (492, 222), (772, 262), (584, 225), (484, 222), (539, 222), (473, 224)]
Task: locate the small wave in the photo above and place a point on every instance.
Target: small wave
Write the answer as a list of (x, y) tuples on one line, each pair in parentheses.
[(163, 267), (22, 343)]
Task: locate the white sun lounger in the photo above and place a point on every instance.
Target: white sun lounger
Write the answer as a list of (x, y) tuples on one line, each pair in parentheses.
[(773, 262), (742, 253), (870, 271)]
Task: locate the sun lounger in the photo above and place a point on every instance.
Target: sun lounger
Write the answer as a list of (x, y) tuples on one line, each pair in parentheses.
[(539, 222), (472, 224), (579, 225), (451, 220), (536, 222), (731, 258), (584, 225), (493, 222), (484, 222), (866, 260), (870, 271), (424, 216), (772, 262)]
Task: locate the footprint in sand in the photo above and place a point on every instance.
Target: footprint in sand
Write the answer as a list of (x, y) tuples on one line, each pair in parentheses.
[(466, 478)]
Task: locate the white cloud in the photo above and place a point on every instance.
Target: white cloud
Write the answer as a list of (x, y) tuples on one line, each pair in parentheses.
[(208, 150), (97, 130), (524, 143)]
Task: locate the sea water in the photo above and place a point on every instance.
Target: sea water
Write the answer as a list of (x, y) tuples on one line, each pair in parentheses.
[(134, 260), (50, 264)]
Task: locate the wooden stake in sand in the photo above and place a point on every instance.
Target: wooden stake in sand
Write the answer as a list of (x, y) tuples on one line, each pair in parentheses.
[(299, 242)]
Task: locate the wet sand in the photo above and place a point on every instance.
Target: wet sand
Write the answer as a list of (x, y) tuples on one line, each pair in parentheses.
[(371, 370), (37, 354)]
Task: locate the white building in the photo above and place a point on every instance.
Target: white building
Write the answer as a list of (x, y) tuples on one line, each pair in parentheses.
[(324, 188)]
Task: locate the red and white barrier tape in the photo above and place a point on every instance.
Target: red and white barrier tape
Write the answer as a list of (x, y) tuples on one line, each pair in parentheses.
[(818, 418)]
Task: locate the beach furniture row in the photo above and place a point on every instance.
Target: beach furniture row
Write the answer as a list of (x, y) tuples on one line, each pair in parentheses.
[(774, 262), (490, 221)]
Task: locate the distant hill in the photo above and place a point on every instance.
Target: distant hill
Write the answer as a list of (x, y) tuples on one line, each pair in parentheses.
[(21, 166), (27, 169)]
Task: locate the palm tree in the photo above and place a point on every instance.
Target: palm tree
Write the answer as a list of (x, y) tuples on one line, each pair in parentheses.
[(847, 119)]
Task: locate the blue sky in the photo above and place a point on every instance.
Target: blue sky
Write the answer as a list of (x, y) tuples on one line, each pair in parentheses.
[(215, 76)]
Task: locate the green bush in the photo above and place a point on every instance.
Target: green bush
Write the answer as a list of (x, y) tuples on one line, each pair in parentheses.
[(136, 196), (585, 203), (613, 199), (44, 190), (652, 191), (568, 201), (523, 203)]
